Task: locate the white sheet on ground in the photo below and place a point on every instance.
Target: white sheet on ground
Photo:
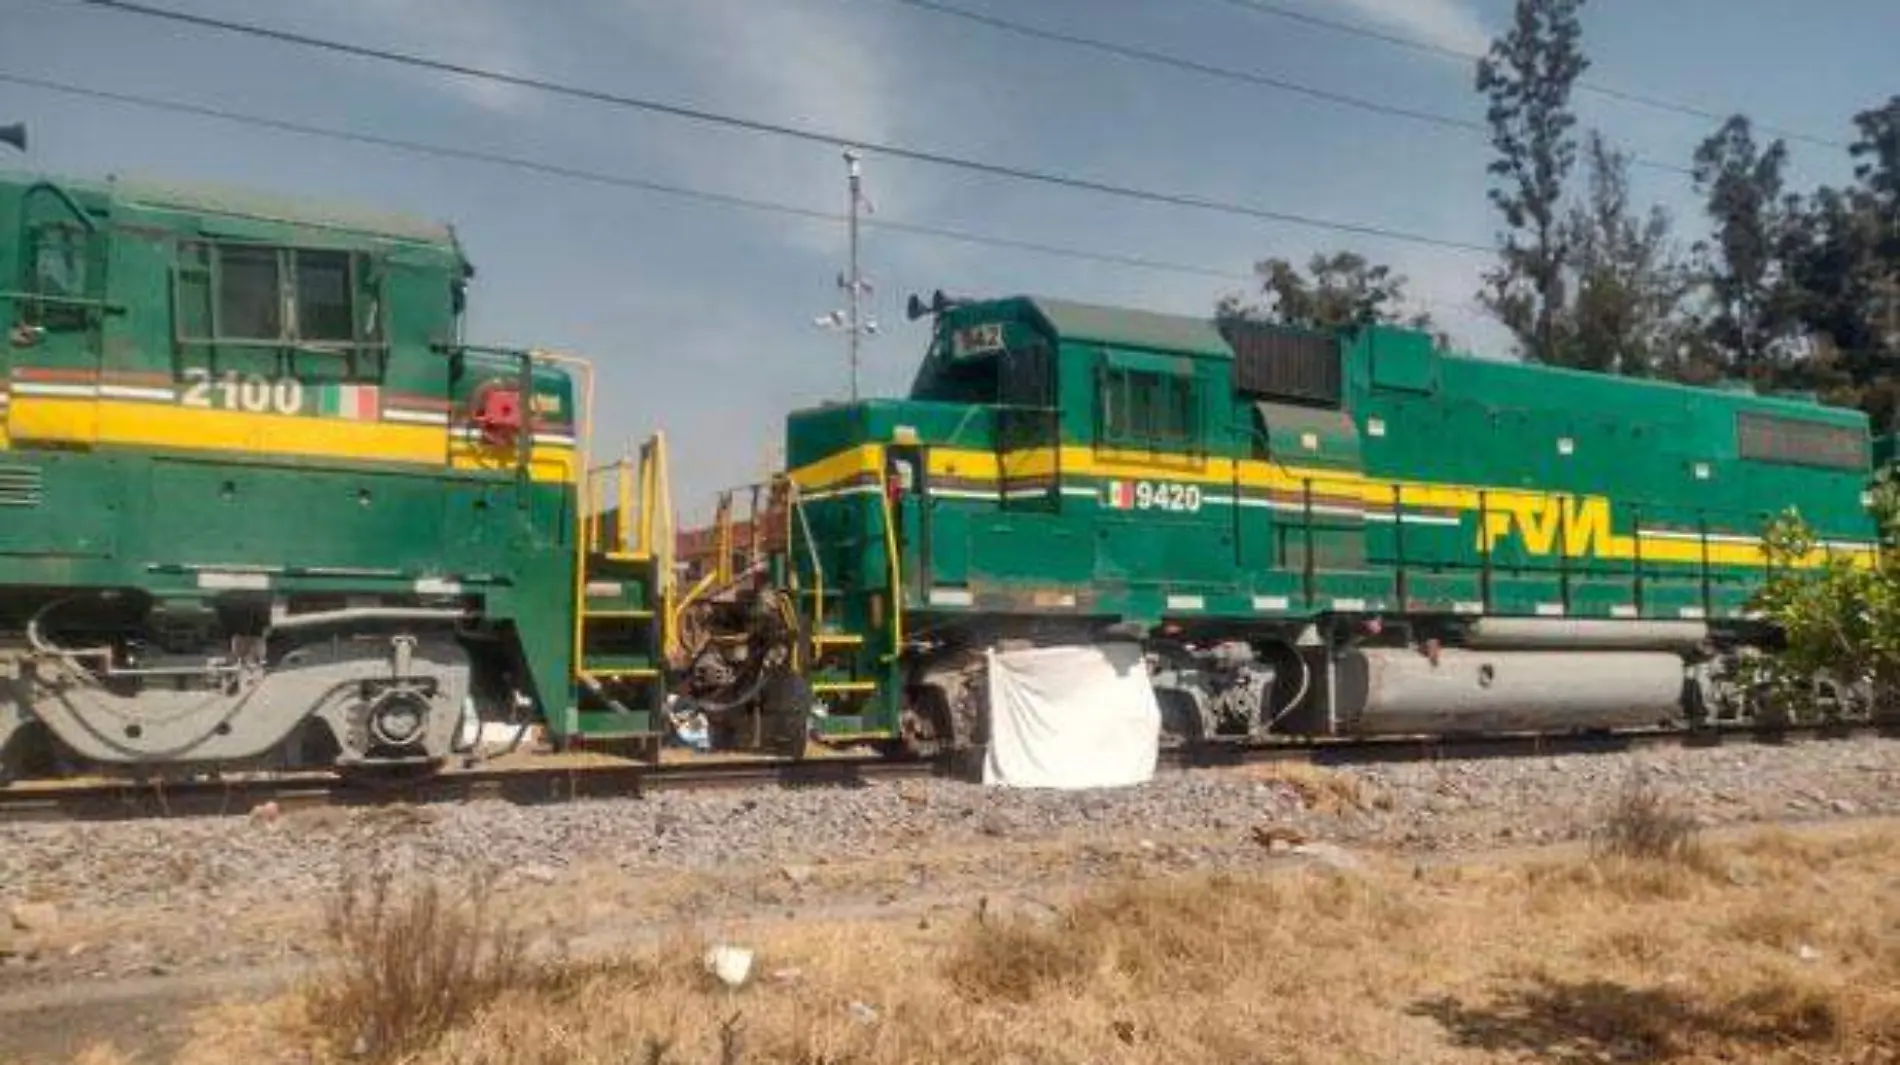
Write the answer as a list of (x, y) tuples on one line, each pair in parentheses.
[(1071, 718)]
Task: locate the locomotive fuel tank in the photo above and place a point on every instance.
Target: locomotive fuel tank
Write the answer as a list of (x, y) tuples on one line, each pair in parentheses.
[(1400, 691)]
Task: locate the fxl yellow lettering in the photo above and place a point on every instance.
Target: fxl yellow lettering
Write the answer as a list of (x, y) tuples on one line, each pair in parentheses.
[(1546, 525)]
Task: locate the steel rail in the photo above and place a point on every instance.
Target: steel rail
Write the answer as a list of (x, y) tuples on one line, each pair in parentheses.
[(131, 799)]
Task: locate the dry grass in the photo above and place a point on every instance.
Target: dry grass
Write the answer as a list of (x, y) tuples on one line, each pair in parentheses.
[(1644, 825), (1323, 790), (100, 1054), (92, 1053), (1653, 946), (411, 964)]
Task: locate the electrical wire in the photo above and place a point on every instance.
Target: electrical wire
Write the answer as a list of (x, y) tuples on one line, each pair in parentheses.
[(1248, 77), (1629, 96), (708, 117), (1146, 55), (718, 199)]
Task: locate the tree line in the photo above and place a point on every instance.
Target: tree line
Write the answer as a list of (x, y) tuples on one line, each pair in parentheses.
[(1792, 290)]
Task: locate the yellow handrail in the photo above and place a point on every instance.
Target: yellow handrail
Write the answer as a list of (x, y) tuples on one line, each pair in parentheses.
[(641, 514), (897, 576), (622, 519), (678, 611), (796, 501), (722, 538)]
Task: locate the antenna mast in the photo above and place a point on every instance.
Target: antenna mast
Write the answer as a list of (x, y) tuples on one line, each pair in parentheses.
[(852, 319)]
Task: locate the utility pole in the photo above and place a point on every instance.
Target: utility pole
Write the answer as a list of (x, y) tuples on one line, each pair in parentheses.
[(855, 176), (852, 319)]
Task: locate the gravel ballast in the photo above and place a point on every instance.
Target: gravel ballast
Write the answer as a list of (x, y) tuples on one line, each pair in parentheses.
[(201, 875)]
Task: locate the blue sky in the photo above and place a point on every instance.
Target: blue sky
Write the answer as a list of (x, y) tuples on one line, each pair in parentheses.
[(699, 318)]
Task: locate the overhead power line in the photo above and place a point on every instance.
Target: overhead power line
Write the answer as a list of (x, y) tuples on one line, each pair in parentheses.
[(1321, 21), (1656, 103), (1248, 77), (708, 117), (1193, 66), (615, 180), (684, 192)]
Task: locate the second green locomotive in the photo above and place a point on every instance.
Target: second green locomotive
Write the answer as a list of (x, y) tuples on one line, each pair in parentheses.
[(1313, 534)]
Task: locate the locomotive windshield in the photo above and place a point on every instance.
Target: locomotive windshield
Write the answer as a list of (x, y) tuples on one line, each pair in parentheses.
[(969, 363), (948, 379)]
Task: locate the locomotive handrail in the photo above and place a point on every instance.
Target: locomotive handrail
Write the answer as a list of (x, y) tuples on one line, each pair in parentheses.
[(897, 581), (795, 499), (640, 492), (66, 200), (302, 347), (692, 595), (609, 508), (956, 434), (1636, 557), (623, 483), (1701, 528), (63, 301)]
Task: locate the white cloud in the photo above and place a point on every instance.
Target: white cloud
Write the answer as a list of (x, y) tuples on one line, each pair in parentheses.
[(1450, 24)]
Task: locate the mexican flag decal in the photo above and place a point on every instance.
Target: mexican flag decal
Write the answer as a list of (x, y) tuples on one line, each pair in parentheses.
[(1120, 495), (355, 402)]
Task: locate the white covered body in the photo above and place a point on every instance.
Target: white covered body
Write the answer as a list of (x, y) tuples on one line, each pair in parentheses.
[(1071, 717)]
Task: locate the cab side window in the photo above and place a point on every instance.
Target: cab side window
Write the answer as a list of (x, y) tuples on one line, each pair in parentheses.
[(250, 294), (1148, 409), (256, 295), (61, 269), (325, 307)]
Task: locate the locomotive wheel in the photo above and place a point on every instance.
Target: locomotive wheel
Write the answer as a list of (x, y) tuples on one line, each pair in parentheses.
[(32, 755), (785, 710)]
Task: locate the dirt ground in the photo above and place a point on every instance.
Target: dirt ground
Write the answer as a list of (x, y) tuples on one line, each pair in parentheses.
[(1753, 944)]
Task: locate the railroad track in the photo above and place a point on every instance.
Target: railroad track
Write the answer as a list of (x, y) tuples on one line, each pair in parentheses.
[(555, 783), (526, 785)]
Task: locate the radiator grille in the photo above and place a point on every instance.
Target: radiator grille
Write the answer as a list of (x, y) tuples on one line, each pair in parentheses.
[(1272, 362), (19, 486), (1767, 438)]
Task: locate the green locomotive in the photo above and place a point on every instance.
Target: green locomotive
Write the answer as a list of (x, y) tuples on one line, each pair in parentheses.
[(261, 504), (1312, 534), (257, 502)]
